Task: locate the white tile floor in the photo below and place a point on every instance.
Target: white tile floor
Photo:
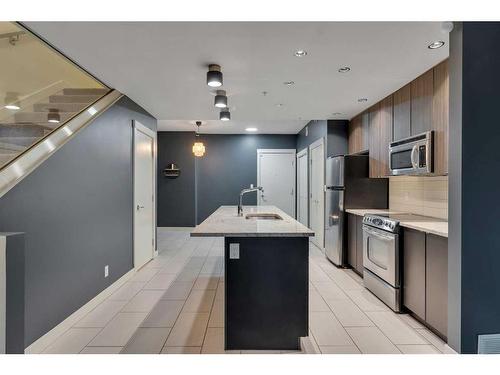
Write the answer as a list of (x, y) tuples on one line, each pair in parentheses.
[(175, 305)]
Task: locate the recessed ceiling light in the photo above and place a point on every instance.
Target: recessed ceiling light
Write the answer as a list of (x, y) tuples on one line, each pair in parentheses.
[(279, 105), (300, 53), (435, 45), (12, 106), (362, 100), (225, 115), (251, 129), (336, 113), (214, 76), (289, 83), (344, 69)]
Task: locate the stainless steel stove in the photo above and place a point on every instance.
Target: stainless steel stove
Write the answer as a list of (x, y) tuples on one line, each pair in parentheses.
[(381, 258)]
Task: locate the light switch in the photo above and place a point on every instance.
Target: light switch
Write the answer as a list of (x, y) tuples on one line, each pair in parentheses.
[(234, 251)]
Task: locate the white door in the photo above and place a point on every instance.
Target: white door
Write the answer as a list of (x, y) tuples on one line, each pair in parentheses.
[(276, 175), (144, 194), (302, 188), (316, 196)]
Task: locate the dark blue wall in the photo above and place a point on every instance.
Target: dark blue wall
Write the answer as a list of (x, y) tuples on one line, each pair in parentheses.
[(76, 210), (229, 164), (334, 132), (474, 94)]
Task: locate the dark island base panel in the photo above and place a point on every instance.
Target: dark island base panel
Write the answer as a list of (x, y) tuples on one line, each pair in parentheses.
[(266, 293)]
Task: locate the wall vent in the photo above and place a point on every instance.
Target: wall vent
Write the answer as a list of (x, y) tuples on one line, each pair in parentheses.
[(488, 344)]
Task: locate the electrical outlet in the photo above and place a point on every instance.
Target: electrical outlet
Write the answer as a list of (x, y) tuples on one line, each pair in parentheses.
[(106, 271), (234, 251)]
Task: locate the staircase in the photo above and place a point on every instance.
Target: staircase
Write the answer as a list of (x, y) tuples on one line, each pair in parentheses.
[(26, 127)]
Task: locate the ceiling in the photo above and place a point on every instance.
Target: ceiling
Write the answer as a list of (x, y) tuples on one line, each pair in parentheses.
[(162, 66)]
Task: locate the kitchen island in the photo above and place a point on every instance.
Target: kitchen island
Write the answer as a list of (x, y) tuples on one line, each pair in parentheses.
[(266, 273)]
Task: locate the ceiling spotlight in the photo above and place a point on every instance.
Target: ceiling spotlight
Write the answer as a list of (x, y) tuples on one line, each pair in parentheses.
[(344, 69), (225, 115), (220, 99), (251, 129), (435, 45), (336, 113), (289, 83), (300, 53), (54, 116), (362, 100), (279, 105), (214, 76), (12, 101)]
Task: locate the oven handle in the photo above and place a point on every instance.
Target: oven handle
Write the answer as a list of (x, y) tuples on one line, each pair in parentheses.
[(414, 151), (388, 237)]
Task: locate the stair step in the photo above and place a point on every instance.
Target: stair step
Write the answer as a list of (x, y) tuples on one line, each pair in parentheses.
[(70, 91), (61, 107), (20, 141), (41, 118), (23, 130), (7, 148), (73, 98)]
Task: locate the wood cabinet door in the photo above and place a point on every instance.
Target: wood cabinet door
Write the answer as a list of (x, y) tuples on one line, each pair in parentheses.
[(359, 244), (374, 140), (365, 131), (414, 272), (385, 135), (355, 134), (440, 120), (351, 240), (401, 124), (436, 301), (421, 95)]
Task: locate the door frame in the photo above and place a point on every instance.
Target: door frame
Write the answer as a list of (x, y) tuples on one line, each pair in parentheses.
[(290, 151), (315, 144), (300, 154), (136, 125)]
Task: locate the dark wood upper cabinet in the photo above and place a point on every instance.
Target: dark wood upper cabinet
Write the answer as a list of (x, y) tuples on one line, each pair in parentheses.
[(385, 135), (421, 95), (355, 135), (365, 131), (436, 296), (414, 272), (374, 140), (401, 112), (440, 121)]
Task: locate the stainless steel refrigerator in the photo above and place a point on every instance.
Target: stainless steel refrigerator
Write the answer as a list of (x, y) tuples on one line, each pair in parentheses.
[(348, 185)]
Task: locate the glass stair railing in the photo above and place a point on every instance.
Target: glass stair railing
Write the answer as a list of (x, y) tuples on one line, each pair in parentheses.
[(41, 90)]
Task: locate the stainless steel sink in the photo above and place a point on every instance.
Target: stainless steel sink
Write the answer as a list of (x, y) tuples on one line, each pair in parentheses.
[(263, 216)]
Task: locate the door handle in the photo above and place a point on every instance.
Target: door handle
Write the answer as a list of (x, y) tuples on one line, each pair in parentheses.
[(139, 207), (414, 151)]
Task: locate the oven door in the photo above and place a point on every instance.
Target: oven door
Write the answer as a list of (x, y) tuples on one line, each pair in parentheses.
[(380, 254)]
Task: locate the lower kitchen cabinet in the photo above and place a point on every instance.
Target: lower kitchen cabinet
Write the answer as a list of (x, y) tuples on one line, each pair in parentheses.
[(436, 295), (425, 278), (414, 272), (355, 242)]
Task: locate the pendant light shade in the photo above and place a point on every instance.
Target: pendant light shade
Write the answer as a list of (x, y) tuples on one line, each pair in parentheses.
[(214, 76), (225, 115), (220, 99), (54, 116), (12, 101), (198, 147)]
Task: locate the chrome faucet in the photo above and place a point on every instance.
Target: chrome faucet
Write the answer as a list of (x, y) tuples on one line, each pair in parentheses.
[(244, 191)]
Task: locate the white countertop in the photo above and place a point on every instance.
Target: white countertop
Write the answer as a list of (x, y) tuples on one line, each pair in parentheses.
[(425, 224), (225, 222)]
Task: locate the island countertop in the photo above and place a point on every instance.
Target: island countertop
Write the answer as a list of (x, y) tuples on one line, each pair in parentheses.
[(225, 222)]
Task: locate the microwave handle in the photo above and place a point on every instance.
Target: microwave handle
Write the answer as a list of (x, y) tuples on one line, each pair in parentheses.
[(414, 152)]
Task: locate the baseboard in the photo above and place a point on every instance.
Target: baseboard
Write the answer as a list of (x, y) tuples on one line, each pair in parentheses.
[(174, 229), (43, 342)]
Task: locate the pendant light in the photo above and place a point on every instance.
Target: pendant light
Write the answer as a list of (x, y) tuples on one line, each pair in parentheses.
[(12, 101), (220, 100), (214, 76), (225, 115), (54, 116), (198, 147)]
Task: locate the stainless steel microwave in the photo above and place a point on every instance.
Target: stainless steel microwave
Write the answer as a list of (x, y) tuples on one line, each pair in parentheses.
[(413, 155)]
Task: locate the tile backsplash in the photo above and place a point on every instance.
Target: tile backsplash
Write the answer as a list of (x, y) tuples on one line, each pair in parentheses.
[(419, 195)]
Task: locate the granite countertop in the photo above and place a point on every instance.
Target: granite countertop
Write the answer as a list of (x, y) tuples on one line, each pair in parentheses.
[(225, 222), (425, 224)]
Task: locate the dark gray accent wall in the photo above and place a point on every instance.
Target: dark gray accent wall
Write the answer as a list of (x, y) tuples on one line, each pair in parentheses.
[(76, 210), (474, 241), (229, 165), (176, 203), (334, 132)]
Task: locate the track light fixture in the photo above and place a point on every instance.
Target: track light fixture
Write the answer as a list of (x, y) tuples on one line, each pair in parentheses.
[(220, 99), (54, 116), (225, 115)]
